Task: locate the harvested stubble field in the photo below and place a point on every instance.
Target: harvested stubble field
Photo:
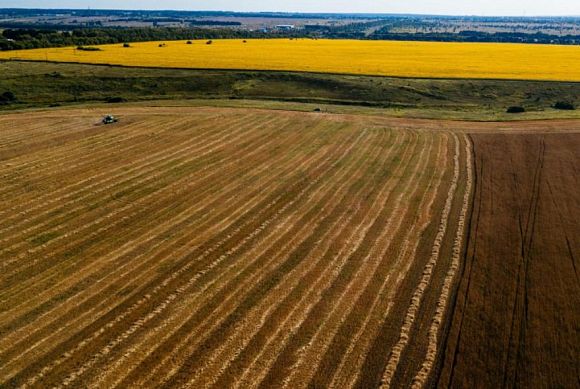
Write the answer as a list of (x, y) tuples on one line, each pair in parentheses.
[(222, 247), (206, 247)]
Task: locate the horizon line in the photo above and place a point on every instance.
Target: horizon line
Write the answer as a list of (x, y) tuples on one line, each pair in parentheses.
[(297, 12)]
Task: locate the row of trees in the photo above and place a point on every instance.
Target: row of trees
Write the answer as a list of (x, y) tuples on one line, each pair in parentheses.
[(478, 36), (15, 39)]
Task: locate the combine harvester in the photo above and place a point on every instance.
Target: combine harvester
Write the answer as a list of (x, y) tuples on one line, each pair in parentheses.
[(109, 119)]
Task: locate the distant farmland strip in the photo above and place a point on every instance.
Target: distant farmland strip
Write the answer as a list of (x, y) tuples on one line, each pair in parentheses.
[(361, 57), (219, 248)]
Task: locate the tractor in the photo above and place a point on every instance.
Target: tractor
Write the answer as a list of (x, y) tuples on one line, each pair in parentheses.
[(110, 119)]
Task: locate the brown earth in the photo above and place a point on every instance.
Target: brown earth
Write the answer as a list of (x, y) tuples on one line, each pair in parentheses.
[(220, 247), (206, 247), (516, 319)]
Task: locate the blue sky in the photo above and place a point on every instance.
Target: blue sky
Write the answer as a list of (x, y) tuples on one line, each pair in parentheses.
[(449, 7)]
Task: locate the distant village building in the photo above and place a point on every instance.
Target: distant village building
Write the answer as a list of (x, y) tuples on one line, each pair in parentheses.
[(285, 27)]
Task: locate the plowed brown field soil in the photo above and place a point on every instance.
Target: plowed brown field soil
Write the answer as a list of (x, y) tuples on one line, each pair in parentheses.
[(516, 319), (220, 247)]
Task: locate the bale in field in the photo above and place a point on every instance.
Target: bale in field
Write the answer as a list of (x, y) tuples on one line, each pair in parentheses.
[(85, 48), (565, 105), (115, 99), (7, 98), (516, 109)]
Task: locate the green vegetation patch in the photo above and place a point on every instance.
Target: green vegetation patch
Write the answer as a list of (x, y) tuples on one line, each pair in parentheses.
[(40, 84)]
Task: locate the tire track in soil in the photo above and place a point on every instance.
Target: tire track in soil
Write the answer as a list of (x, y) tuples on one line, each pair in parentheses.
[(517, 265), (469, 258), (520, 306)]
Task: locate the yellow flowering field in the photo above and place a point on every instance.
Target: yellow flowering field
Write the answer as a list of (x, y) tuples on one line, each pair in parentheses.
[(387, 58)]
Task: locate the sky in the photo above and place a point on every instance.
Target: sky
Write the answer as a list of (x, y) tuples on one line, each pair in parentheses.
[(443, 7)]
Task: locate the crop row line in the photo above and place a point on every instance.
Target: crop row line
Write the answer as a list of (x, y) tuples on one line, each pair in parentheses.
[(184, 270), (421, 377), (163, 304)]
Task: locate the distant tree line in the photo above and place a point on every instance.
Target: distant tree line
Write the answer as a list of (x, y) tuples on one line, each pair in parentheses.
[(386, 29), (11, 13), (478, 36), (357, 30), (213, 23), (193, 22), (16, 39)]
